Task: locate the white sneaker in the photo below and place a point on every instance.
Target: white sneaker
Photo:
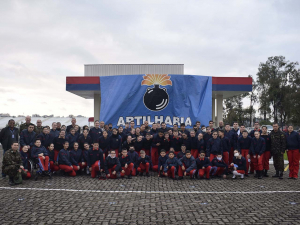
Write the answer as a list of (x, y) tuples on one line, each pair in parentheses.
[(233, 177), (242, 176)]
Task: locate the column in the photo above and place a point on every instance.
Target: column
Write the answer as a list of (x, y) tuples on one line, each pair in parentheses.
[(219, 109), (214, 110), (97, 105)]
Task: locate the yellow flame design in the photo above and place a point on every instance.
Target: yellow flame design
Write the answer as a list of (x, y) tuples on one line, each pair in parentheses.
[(162, 79)]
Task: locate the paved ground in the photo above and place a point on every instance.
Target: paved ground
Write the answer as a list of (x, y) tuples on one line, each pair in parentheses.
[(83, 200)]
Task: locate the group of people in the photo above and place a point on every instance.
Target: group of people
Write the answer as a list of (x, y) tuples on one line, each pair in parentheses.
[(203, 152)]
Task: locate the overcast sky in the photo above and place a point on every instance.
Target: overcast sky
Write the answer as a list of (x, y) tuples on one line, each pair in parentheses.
[(42, 42)]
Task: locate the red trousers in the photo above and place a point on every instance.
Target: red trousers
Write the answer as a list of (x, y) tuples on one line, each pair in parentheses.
[(55, 154), (143, 168), (95, 168), (127, 170), (111, 170), (181, 172), (28, 175), (68, 169), (231, 155), (171, 172), (266, 159), (206, 171), (44, 163), (293, 157), (219, 171), (154, 155), (257, 162), (212, 156), (160, 171), (82, 166), (226, 157), (53, 167), (244, 153), (194, 153)]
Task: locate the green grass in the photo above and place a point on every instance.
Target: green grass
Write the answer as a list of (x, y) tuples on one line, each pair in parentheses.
[(285, 156)]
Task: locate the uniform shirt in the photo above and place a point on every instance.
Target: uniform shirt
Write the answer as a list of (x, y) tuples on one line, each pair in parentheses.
[(214, 146), (59, 143), (93, 156), (292, 140), (202, 163), (267, 141), (172, 162), (95, 134), (241, 163), (244, 143), (189, 163), (27, 138), (35, 151), (124, 160), (110, 163), (258, 146)]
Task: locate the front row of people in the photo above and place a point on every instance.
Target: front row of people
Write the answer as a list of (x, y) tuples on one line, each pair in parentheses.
[(93, 161)]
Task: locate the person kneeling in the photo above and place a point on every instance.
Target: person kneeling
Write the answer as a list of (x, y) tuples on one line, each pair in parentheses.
[(188, 165), (126, 164), (220, 165), (12, 165), (203, 165), (65, 161), (112, 165), (161, 163), (40, 155), (172, 165), (239, 165), (143, 164)]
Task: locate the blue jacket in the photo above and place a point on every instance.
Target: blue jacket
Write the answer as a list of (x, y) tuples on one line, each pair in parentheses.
[(258, 146), (215, 162), (64, 158), (94, 156), (214, 146), (172, 162), (189, 164), (244, 143), (241, 163), (115, 142), (201, 145), (77, 156), (268, 142), (27, 138), (232, 138), (82, 140), (111, 162), (95, 134), (292, 141), (50, 154), (45, 139), (162, 161), (24, 157), (54, 133), (202, 163), (38, 150), (194, 142), (71, 139), (104, 143), (144, 160), (252, 133), (124, 160), (226, 144), (187, 142), (133, 156)]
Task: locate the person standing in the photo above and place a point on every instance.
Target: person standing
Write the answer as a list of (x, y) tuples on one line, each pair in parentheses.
[(8, 135), (73, 121), (292, 149), (25, 125), (39, 128), (278, 147)]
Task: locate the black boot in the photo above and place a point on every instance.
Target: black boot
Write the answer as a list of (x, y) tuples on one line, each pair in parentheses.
[(277, 174), (11, 181), (266, 173), (256, 174), (281, 175), (259, 174)]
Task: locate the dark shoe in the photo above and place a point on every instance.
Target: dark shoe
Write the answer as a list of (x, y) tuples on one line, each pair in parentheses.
[(276, 175), (266, 173), (180, 178), (295, 178), (129, 177), (259, 174), (281, 175), (291, 178), (256, 174), (251, 172), (141, 174), (147, 175), (246, 175), (11, 181)]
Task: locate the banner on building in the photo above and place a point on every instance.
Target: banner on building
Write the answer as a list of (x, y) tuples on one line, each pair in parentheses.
[(168, 98)]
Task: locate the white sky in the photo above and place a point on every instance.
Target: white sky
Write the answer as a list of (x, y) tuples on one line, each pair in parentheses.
[(42, 42)]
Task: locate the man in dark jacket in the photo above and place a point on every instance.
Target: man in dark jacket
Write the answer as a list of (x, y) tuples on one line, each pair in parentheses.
[(293, 146), (278, 147), (112, 165), (188, 166)]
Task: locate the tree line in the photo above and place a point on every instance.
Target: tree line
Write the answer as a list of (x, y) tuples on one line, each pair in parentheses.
[(276, 91)]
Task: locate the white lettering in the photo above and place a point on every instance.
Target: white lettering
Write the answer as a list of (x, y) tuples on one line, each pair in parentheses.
[(138, 120), (188, 122), (168, 120), (129, 119), (149, 120), (121, 121), (160, 120), (176, 121)]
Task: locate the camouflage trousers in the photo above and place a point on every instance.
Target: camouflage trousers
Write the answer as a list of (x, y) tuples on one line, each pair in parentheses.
[(12, 171), (278, 161)]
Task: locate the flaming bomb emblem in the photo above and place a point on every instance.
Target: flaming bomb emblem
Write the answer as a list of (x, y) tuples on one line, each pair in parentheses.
[(156, 98)]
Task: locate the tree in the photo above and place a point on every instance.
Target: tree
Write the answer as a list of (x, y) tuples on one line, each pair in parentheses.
[(276, 87)]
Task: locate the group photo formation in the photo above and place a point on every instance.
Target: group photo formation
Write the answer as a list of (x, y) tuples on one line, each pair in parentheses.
[(106, 152)]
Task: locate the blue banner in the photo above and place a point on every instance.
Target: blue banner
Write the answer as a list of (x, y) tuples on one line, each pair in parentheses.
[(168, 98)]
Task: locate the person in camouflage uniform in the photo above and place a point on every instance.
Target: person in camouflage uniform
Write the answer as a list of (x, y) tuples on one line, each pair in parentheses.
[(38, 129), (278, 146), (24, 126), (12, 164)]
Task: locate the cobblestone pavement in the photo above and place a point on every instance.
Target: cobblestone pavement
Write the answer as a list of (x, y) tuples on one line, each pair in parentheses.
[(153, 200)]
